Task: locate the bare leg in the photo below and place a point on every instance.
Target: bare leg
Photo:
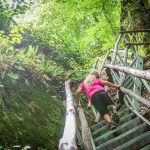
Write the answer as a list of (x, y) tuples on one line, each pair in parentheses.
[(107, 118)]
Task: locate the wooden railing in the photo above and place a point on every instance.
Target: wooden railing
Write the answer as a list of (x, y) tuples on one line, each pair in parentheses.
[(68, 141), (126, 68)]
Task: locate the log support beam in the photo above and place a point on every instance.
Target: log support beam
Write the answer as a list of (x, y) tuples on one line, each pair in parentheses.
[(85, 130), (68, 141), (134, 72), (136, 97)]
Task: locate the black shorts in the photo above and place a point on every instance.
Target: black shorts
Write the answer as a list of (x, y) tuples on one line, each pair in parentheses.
[(100, 101)]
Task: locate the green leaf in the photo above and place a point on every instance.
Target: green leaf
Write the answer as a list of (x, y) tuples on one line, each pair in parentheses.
[(13, 76)]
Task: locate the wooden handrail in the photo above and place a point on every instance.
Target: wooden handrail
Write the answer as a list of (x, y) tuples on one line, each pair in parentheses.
[(140, 43), (85, 130), (135, 31), (68, 141), (136, 97), (139, 115), (134, 72)]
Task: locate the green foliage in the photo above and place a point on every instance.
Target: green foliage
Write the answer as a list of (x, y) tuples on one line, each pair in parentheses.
[(14, 77), (76, 30), (32, 118), (54, 40), (135, 15)]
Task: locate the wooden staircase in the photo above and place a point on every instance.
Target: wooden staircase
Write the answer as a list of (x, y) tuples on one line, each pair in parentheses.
[(133, 130), (131, 133)]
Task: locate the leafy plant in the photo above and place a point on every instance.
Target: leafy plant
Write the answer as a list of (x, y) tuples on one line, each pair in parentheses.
[(14, 77)]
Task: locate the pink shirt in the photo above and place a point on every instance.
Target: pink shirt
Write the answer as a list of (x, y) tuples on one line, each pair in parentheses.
[(92, 89)]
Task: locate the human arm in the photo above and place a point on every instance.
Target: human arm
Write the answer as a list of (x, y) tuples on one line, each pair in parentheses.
[(109, 84), (78, 94)]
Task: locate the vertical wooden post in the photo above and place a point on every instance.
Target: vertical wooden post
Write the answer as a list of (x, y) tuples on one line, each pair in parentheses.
[(125, 61), (116, 49), (138, 84), (68, 141)]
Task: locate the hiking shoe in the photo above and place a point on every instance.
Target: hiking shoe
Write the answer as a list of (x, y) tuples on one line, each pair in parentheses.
[(112, 126), (112, 111)]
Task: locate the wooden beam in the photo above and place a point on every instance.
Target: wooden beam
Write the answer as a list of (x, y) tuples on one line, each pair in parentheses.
[(136, 97), (134, 72), (140, 43), (103, 63), (116, 49), (85, 130), (140, 116), (135, 31), (68, 141), (96, 62)]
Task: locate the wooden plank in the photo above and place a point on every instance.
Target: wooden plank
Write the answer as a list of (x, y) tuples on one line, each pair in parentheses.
[(128, 82), (145, 83), (122, 121), (140, 116), (136, 143), (122, 114), (132, 63), (85, 130), (140, 43), (79, 139), (135, 31), (122, 61), (147, 147), (138, 84), (98, 125), (96, 62), (116, 49), (121, 137), (119, 130)]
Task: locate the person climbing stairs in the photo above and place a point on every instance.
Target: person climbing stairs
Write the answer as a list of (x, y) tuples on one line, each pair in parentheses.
[(132, 131)]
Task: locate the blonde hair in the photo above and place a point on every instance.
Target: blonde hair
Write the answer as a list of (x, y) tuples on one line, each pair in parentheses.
[(90, 78)]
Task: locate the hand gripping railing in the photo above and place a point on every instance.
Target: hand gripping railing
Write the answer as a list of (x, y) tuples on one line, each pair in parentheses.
[(68, 141)]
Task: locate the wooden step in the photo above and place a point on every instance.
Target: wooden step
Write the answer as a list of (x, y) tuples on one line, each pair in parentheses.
[(118, 131), (137, 143), (119, 140), (147, 147), (124, 112), (103, 123), (123, 107), (126, 118), (105, 128), (98, 125), (98, 132)]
